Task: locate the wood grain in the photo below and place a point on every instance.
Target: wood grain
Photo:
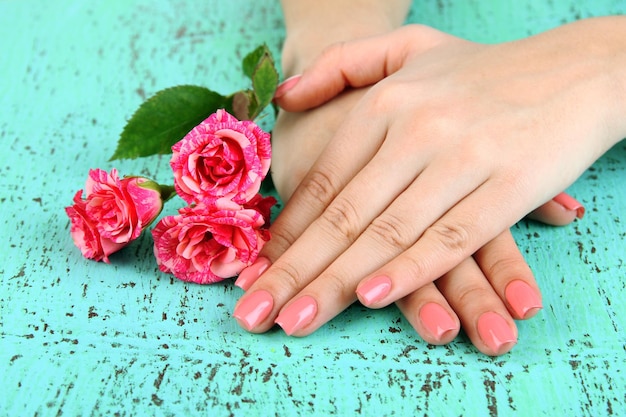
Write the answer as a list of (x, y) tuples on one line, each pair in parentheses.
[(80, 338)]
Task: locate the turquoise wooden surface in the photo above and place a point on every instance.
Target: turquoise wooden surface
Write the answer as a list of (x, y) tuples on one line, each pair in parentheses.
[(83, 338)]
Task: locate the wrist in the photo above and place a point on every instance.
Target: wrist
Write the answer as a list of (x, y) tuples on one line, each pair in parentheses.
[(313, 26), (601, 46), (300, 49)]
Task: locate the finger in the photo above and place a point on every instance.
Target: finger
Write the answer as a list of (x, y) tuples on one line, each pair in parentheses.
[(323, 241), (301, 211), (510, 276), (460, 232), (483, 316), (294, 261), (328, 176), (332, 290), (298, 259), (502, 266), (560, 211), (430, 315), (355, 64)]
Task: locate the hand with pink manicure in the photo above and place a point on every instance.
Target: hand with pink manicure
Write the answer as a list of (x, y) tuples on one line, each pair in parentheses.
[(435, 311), (396, 197)]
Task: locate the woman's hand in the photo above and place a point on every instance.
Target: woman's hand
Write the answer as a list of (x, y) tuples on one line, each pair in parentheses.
[(497, 271), (456, 144)]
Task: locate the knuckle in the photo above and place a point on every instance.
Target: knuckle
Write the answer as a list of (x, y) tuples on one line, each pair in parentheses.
[(505, 267), (471, 294), (340, 55), (342, 219), (414, 269), (288, 277), (342, 290), (336, 55), (385, 96), (318, 185), (282, 239), (453, 237), (388, 229)]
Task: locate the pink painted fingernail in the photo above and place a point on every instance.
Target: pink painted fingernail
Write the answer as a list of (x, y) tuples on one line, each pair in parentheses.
[(249, 275), (495, 332), (297, 315), (286, 85), (254, 309), (523, 299), (374, 290), (570, 203), (436, 319)]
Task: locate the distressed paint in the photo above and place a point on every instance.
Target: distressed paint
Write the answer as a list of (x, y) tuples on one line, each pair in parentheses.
[(82, 338)]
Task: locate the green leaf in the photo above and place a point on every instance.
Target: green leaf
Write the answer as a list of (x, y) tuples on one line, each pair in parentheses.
[(251, 61), (264, 82), (166, 118), (259, 66)]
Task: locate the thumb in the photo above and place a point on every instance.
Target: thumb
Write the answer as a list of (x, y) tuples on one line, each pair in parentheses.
[(354, 64)]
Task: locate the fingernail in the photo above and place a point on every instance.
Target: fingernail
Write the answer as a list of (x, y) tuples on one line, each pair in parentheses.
[(374, 290), (523, 299), (254, 309), (436, 319), (297, 315), (570, 203), (249, 275), (495, 332), (286, 85)]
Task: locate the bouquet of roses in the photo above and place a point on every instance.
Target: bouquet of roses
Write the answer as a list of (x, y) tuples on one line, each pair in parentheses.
[(220, 158)]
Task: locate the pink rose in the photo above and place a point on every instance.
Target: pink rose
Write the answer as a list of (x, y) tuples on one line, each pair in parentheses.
[(222, 157), (85, 233), (114, 213), (206, 244)]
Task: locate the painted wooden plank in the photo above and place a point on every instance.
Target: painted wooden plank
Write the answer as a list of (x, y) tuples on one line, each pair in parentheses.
[(81, 338)]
